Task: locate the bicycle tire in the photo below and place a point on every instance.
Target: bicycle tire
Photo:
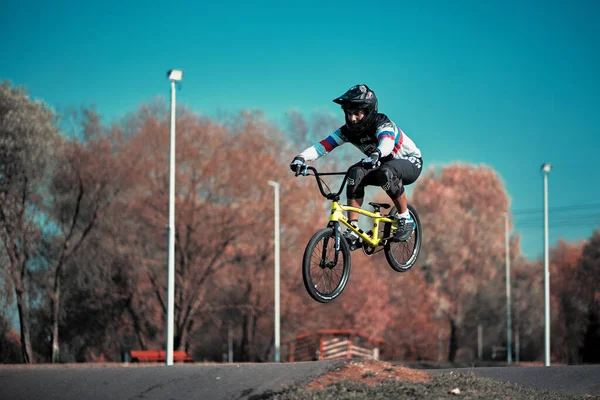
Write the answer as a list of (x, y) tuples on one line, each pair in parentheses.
[(344, 258), (390, 246)]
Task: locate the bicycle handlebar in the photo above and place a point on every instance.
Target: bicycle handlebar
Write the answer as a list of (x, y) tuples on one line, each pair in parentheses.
[(330, 196)]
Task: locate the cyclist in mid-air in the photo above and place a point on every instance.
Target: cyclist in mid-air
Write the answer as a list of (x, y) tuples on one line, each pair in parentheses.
[(393, 160)]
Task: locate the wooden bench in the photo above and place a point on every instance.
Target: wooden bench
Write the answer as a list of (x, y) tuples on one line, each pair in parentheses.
[(158, 356)]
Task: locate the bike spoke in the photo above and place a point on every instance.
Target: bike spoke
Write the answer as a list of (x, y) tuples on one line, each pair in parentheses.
[(325, 279), (403, 251)]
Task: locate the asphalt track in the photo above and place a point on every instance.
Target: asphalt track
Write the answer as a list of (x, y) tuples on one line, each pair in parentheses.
[(234, 381)]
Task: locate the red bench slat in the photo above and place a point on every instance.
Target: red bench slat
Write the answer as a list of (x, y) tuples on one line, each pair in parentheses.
[(158, 355)]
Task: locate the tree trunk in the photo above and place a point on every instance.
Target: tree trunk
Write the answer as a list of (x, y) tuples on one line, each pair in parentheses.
[(253, 337), (55, 316), (453, 343), (137, 325), (23, 309), (244, 344), (176, 337), (590, 352), (64, 256), (184, 335), (270, 348)]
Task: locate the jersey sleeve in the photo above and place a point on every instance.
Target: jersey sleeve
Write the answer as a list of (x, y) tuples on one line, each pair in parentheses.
[(324, 146), (388, 136)]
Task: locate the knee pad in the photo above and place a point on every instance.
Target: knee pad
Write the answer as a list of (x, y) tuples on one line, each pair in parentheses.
[(389, 182), (354, 189)]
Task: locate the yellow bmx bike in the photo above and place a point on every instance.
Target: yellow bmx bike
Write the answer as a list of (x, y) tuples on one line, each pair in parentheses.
[(326, 260)]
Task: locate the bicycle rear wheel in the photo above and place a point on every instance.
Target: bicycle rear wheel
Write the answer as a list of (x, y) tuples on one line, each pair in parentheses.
[(325, 275), (401, 256)]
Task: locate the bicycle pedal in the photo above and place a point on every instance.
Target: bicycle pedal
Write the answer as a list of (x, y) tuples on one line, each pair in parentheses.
[(355, 245)]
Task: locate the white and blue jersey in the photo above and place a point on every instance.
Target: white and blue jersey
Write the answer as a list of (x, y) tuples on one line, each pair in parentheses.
[(383, 135)]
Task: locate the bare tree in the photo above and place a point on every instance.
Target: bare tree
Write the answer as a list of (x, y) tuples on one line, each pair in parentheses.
[(28, 138), (84, 185)]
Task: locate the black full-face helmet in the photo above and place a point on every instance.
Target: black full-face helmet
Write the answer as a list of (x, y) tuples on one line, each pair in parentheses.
[(359, 96)]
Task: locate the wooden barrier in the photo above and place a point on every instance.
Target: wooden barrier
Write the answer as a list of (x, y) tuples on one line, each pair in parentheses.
[(329, 344)]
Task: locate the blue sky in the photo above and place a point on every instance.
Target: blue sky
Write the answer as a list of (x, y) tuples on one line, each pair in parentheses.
[(511, 84)]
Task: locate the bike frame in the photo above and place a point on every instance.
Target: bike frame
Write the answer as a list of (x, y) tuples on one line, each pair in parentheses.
[(337, 215), (337, 209)]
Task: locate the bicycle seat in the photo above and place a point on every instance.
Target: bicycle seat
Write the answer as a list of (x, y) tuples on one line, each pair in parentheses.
[(376, 206)]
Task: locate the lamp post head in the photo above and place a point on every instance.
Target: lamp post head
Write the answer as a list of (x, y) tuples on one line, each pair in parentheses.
[(546, 167), (175, 75)]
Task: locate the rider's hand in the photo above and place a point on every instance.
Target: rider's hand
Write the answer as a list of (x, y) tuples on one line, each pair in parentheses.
[(371, 162), (296, 163)]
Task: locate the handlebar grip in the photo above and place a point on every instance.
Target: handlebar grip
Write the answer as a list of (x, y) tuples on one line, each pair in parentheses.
[(303, 170)]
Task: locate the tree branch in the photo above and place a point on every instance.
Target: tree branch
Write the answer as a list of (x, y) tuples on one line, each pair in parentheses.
[(157, 291)]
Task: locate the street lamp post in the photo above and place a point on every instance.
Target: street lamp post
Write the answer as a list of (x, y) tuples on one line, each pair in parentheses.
[(174, 75), (508, 319), (276, 238), (546, 169)]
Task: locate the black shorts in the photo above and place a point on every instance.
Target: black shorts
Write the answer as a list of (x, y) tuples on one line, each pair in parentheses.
[(391, 176)]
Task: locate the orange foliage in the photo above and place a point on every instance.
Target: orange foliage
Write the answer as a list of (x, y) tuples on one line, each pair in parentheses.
[(462, 211)]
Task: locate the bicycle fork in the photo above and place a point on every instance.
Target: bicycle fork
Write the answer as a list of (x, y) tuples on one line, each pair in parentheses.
[(337, 245)]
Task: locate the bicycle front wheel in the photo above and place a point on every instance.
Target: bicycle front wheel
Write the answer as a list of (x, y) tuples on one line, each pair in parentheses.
[(401, 256), (325, 274)]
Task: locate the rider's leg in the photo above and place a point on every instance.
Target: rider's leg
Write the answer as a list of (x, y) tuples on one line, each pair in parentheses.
[(355, 194), (353, 215), (401, 203), (351, 236), (392, 177), (355, 190)]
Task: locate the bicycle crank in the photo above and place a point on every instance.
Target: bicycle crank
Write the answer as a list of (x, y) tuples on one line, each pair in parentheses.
[(369, 251)]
